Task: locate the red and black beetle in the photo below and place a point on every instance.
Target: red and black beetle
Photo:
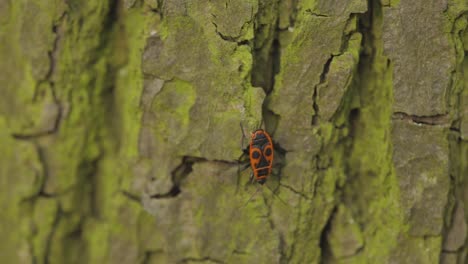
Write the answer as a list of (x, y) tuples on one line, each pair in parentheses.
[(261, 155), (261, 152)]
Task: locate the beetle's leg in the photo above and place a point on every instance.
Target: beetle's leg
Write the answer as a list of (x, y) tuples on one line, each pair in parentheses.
[(251, 177), (245, 153)]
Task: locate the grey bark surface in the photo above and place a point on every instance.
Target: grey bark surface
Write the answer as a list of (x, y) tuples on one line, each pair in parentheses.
[(120, 135)]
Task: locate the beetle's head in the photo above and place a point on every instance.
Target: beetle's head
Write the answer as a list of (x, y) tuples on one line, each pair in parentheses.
[(259, 133)]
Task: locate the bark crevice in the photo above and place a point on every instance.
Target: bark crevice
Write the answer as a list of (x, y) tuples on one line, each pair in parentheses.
[(202, 259), (434, 120)]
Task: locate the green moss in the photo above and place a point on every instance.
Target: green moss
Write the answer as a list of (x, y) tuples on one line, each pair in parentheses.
[(129, 87), (242, 57), (370, 169), (93, 168), (70, 157), (111, 178)]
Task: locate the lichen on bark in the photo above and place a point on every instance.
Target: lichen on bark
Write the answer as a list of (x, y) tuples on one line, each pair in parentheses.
[(119, 126)]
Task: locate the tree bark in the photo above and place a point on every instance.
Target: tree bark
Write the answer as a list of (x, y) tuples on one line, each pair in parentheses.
[(120, 135)]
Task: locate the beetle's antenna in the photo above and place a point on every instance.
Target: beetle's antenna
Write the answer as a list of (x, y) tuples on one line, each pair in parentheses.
[(277, 196)]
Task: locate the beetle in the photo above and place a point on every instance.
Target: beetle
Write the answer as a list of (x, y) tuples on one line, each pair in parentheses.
[(261, 153)]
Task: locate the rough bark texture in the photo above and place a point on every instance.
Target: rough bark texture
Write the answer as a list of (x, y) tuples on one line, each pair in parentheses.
[(119, 131)]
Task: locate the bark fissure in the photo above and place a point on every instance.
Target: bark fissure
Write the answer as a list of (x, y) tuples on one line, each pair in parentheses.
[(435, 120), (358, 182), (454, 234), (179, 174), (147, 255), (266, 51), (324, 247), (49, 79), (45, 170), (348, 32), (202, 259), (102, 102), (236, 39), (302, 194), (315, 14), (131, 196), (182, 171), (322, 80), (49, 240)]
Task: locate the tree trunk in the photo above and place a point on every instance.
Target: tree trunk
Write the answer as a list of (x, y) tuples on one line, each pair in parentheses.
[(120, 135)]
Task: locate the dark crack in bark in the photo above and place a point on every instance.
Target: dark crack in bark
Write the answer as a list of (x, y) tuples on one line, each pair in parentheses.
[(45, 170), (315, 14), (51, 235), (266, 49), (294, 8), (302, 194), (131, 196), (57, 30), (181, 172), (324, 247), (266, 62), (347, 34), (88, 184), (452, 233), (234, 39), (147, 255), (159, 8), (229, 38), (203, 259), (435, 120), (323, 78), (178, 175)]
